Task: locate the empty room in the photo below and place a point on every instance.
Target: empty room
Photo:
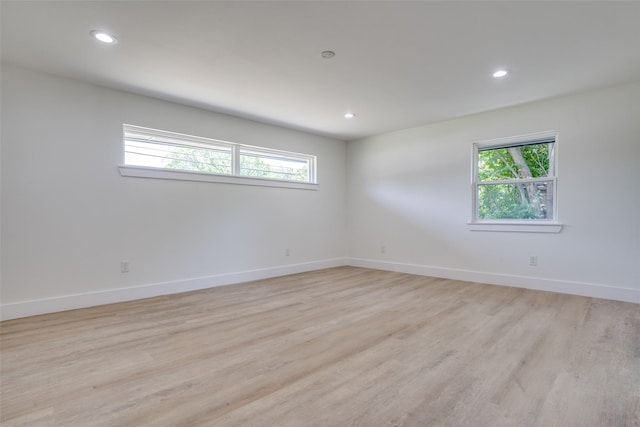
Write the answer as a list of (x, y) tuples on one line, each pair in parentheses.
[(320, 213)]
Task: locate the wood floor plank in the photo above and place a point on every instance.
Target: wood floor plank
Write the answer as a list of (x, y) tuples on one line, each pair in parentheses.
[(339, 347)]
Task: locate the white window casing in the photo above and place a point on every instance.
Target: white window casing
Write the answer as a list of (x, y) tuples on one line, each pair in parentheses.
[(547, 220)]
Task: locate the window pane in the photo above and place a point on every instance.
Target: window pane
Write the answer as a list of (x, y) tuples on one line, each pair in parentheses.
[(533, 200), (525, 161), (177, 156), (274, 166), (200, 160)]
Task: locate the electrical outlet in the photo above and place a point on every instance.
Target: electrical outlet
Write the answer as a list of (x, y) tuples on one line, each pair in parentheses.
[(383, 249), (287, 252), (124, 266), (533, 260)]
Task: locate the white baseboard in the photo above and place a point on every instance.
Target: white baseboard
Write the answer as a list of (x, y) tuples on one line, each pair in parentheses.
[(536, 283), (70, 302)]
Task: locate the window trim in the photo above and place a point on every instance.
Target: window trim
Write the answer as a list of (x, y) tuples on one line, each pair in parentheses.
[(514, 225), (233, 178), (180, 175)]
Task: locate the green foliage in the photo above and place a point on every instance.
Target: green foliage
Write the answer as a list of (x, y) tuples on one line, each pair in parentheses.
[(499, 164), (255, 166), (519, 200), (495, 165), (503, 201), (200, 160)]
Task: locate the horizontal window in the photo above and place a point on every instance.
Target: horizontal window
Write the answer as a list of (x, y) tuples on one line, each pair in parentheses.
[(150, 149)]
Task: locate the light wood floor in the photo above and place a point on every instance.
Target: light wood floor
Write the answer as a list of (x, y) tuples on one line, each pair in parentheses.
[(339, 347)]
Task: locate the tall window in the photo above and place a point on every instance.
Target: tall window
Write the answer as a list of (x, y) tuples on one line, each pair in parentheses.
[(151, 148), (514, 179)]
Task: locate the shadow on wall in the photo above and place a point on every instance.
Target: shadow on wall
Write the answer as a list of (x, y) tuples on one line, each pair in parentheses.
[(415, 213)]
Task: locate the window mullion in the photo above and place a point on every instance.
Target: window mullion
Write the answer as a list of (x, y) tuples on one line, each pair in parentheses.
[(236, 160), (517, 180)]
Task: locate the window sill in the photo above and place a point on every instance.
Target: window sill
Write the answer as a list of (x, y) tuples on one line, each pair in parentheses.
[(515, 227), (149, 172)]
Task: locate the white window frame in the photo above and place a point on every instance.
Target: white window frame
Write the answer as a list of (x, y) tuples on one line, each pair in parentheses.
[(233, 178), (514, 225)]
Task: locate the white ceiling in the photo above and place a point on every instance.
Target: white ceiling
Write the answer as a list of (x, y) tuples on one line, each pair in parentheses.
[(397, 64)]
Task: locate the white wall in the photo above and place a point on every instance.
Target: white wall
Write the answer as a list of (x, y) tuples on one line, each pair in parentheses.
[(410, 191), (69, 218)]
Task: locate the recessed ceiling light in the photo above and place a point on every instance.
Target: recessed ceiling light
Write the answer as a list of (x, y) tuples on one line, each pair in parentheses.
[(327, 54), (104, 37), (349, 115), (500, 73)]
